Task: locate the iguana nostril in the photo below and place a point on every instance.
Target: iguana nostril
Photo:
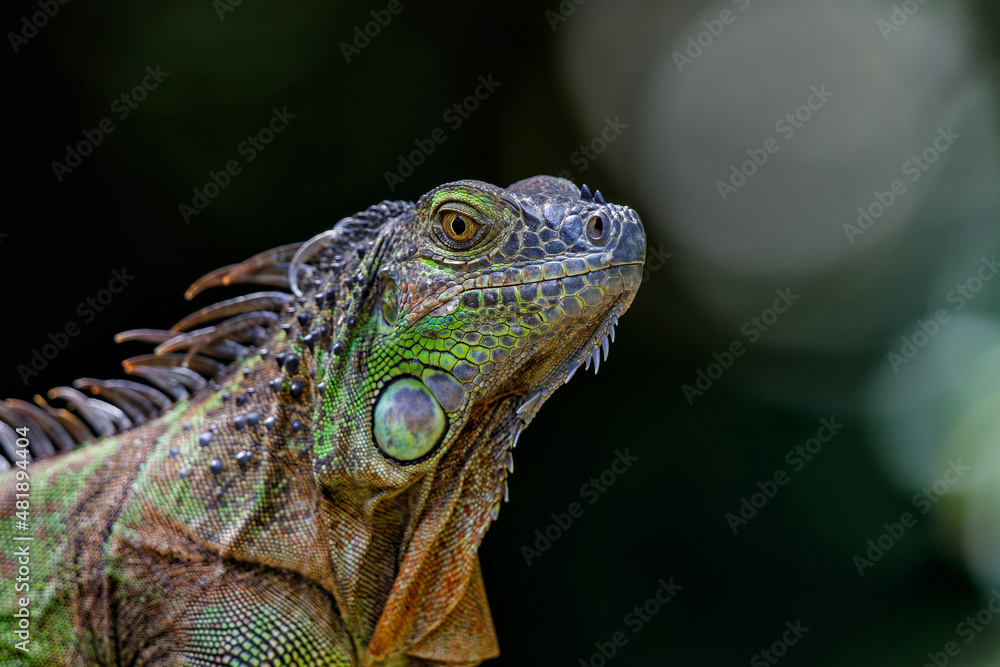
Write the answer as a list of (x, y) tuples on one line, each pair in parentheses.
[(598, 229)]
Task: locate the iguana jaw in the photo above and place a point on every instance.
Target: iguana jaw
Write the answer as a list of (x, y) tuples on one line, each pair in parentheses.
[(596, 341)]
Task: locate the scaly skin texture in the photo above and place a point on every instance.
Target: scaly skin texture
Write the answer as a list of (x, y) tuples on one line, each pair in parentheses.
[(321, 501)]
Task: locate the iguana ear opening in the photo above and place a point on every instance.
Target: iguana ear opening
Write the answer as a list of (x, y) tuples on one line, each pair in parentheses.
[(437, 605)]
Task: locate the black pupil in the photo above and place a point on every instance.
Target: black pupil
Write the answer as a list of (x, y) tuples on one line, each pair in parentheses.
[(458, 225)]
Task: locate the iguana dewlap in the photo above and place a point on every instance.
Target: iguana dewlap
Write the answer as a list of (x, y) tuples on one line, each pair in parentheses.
[(307, 480)]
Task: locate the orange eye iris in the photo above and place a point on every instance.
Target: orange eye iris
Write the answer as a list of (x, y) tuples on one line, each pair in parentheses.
[(458, 227)]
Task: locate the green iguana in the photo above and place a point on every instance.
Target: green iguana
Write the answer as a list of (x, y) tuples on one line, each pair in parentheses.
[(320, 498)]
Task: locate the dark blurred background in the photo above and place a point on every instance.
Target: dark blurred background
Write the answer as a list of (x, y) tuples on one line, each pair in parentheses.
[(746, 133)]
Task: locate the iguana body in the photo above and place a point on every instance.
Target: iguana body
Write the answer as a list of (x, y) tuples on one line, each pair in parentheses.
[(320, 501)]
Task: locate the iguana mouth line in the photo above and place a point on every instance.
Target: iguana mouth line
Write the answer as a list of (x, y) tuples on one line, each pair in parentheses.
[(450, 297), (565, 263), (543, 279)]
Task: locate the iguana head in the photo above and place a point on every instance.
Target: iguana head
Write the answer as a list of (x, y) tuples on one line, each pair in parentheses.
[(459, 317)]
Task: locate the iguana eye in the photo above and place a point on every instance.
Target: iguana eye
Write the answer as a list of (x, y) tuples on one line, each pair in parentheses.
[(390, 302), (458, 227)]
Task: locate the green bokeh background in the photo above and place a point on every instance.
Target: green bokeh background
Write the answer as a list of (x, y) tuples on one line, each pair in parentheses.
[(663, 518)]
